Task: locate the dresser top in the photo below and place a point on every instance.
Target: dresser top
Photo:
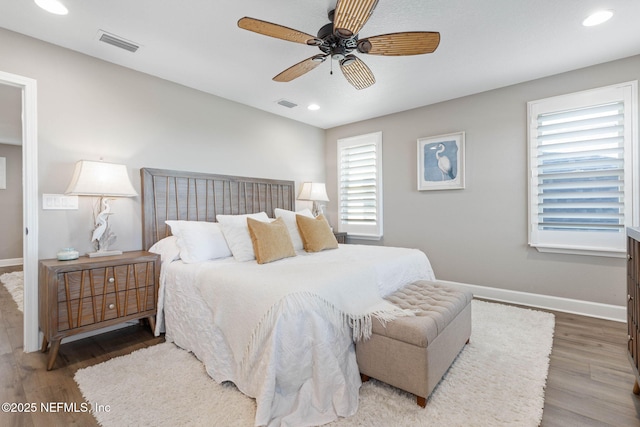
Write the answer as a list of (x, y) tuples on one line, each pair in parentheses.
[(634, 233)]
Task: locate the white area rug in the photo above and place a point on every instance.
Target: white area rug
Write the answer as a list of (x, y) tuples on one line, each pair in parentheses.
[(14, 282), (497, 380)]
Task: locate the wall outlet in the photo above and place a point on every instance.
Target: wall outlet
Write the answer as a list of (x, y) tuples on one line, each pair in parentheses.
[(59, 202)]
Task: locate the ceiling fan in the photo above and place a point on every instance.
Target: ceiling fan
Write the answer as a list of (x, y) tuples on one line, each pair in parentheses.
[(339, 38)]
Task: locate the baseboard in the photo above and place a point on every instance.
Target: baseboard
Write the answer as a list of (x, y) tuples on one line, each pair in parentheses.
[(585, 308), (10, 262)]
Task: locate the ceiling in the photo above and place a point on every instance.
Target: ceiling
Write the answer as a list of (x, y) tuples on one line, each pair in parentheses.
[(484, 45)]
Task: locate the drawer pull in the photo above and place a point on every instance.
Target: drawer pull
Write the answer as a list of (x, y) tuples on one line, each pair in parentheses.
[(112, 306), (111, 280)]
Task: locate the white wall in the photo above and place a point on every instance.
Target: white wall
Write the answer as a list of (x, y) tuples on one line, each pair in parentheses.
[(479, 235), (90, 109)]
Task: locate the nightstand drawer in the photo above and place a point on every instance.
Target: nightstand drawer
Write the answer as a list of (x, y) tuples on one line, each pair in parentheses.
[(78, 313), (76, 284)]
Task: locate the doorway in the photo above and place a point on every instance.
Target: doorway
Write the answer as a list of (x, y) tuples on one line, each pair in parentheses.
[(30, 204)]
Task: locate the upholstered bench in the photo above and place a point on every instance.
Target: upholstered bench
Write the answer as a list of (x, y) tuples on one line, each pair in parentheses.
[(413, 353)]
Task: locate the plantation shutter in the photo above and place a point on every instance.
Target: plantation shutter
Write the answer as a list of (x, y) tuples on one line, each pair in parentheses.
[(582, 187), (359, 167), (581, 169)]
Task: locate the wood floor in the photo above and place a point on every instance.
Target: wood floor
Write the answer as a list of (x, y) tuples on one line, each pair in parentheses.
[(590, 380)]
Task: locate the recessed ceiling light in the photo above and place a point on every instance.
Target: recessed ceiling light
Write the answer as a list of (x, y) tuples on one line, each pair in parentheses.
[(53, 6), (313, 107), (597, 18)]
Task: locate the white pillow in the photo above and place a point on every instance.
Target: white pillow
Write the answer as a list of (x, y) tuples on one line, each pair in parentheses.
[(167, 248), (199, 240), (236, 232), (289, 218)]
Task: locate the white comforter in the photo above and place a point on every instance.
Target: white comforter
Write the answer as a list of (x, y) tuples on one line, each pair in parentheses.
[(303, 370)]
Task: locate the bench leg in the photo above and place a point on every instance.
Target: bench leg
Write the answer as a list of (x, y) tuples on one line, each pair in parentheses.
[(422, 401)]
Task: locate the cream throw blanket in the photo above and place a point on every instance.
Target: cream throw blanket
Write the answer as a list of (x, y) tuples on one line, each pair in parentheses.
[(247, 298)]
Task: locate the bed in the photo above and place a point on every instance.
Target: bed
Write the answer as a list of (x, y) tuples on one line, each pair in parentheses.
[(282, 331)]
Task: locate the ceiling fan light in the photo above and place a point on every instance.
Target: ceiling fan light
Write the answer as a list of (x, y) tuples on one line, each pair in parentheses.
[(52, 6), (319, 58), (597, 18)]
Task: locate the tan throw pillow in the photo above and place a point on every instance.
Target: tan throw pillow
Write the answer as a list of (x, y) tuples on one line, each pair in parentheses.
[(316, 233), (271, 240)]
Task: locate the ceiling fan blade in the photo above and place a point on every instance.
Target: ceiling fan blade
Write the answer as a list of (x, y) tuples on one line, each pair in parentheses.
[(275, 30), (397, 44), (300, 68), (356, 72), (351, 15)]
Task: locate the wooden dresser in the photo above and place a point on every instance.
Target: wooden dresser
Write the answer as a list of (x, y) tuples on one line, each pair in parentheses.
[(92, 293), (633, 301)]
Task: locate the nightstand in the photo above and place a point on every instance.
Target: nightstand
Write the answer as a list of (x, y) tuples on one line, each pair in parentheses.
[(341, 236), (91, 293)]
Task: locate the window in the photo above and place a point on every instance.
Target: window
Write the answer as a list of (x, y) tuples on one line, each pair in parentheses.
[(360, 185), (582, 161)]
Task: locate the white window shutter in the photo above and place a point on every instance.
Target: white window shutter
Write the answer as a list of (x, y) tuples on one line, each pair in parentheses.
[(581, 159), (360, 189)]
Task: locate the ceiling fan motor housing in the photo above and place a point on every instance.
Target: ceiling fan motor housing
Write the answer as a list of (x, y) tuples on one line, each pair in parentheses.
[(335, 46)]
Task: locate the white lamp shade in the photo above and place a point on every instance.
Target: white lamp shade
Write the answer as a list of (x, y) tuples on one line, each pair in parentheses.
[(100, 179), (315, 191)]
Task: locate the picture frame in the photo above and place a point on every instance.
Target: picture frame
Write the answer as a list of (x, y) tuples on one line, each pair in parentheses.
[(441, 162)]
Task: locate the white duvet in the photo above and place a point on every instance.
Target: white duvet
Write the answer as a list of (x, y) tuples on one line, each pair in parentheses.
[(302, 370)]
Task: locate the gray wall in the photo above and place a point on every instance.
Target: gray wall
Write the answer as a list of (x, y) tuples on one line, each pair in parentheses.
[(11, 203), (479, 235), (90, 109)]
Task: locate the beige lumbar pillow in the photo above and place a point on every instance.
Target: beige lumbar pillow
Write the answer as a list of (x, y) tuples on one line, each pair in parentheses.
[(316, 233), (271, 240)]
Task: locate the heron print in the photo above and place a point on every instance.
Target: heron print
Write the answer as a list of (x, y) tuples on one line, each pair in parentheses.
[(440, 161)]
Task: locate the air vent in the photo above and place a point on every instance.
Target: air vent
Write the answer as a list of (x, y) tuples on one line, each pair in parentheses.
[(116, 41), (287, 104)]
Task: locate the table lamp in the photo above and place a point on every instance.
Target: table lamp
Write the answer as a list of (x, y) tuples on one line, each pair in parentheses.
[(316, 192), (106, 181)]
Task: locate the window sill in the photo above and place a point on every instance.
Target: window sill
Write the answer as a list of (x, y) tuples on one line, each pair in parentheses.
[(609, 253), (364, 237)]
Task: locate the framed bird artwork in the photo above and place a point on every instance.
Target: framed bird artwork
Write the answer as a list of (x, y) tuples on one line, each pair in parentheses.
[(441, 162)]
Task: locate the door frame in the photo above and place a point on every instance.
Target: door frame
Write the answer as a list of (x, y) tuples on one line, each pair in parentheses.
[(29, 204)]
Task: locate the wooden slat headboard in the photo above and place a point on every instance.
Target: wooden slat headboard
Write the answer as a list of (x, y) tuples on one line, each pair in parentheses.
[(193, 196)]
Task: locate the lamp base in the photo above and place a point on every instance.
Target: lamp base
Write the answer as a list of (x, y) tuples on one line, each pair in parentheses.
[(103, 253)]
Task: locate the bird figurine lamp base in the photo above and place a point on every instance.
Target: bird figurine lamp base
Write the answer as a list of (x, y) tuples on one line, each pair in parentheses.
[(102, 235)]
